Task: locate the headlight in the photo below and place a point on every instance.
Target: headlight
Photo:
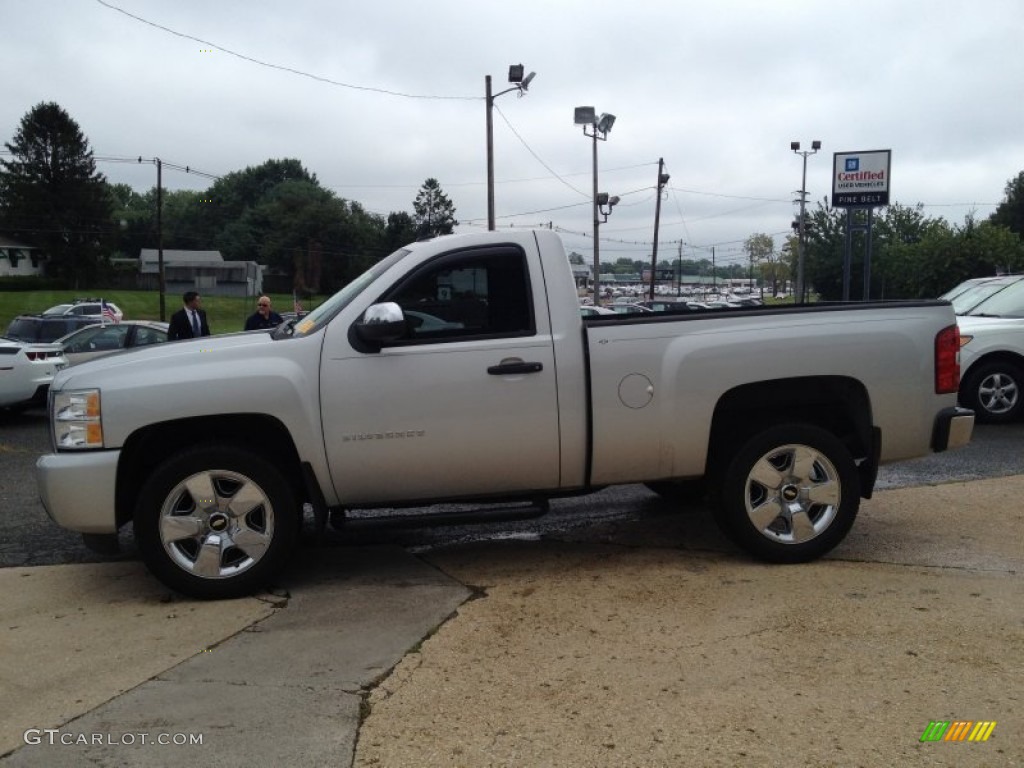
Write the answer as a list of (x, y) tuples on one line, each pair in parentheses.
[(77, 421)]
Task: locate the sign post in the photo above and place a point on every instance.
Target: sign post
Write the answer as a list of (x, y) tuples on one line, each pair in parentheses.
[(860, 181)]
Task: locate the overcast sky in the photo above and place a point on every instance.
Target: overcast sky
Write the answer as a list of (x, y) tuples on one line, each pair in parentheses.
[(717, 88)]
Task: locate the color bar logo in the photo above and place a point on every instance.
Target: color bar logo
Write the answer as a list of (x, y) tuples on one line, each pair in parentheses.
[(958, 730)]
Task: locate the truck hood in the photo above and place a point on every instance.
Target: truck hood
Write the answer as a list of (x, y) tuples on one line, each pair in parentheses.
[(173, 358)]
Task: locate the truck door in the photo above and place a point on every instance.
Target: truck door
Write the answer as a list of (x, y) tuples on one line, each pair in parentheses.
[(464, 404)]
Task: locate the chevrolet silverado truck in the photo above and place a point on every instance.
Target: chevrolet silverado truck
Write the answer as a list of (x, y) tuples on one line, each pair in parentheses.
[(459, 369)]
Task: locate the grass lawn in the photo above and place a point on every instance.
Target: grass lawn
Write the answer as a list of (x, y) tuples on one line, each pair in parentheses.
[(226, 314)]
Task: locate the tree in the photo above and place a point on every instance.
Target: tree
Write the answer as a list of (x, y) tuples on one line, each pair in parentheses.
[(434, 212), (51, 195), (1010, 212), (400, 230), (760, 250)]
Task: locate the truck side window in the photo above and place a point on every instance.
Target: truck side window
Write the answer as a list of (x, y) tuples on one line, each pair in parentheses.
[(467, 295)]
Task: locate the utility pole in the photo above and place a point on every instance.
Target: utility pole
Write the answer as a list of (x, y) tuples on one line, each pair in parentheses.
[(714, 271), (662, 181)]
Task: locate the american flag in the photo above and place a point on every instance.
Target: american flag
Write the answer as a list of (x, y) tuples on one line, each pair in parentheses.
[(108, 312)]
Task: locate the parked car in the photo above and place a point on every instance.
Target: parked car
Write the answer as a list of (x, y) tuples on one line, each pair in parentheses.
[(26, 370), (86, 308), (99, 340), (40, 328), (629, 309), (970, 293), (421, 322), (992, 351)]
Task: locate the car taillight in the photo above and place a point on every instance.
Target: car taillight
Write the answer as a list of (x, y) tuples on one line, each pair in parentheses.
[(947, 360), (36, 356)]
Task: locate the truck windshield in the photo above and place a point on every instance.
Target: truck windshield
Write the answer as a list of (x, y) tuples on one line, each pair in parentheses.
[(320, 316)]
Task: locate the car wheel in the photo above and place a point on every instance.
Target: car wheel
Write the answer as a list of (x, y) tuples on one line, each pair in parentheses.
[(685, 493), (993, 392), (790, 494), (216, 522)]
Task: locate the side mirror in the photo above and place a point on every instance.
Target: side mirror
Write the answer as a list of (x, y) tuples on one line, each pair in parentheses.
[(382, 323)]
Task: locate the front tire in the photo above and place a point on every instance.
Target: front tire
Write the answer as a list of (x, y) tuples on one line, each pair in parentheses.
[(993, 392), (790, 494), (216, 522)]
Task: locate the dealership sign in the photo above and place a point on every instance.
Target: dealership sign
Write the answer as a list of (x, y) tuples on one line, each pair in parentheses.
[(861, 179)]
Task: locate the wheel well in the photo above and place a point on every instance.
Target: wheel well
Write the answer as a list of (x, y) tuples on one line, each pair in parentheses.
[(147, 448), (836, 403), (1002, 356)]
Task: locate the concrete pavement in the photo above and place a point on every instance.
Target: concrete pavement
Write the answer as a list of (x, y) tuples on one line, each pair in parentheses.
[(648, 643)]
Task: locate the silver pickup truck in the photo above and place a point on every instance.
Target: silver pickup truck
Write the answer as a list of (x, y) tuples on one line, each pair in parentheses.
[(460, 369)]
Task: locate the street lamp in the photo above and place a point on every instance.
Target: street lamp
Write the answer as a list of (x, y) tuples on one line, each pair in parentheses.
[(520, 84), (599, 129), (795, 146)]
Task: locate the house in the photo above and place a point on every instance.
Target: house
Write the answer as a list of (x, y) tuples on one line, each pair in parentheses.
[(204, 271), (20, 259)]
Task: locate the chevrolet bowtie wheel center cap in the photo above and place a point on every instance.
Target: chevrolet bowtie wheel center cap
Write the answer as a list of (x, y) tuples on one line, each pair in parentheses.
[(218, 523), (790, 493)]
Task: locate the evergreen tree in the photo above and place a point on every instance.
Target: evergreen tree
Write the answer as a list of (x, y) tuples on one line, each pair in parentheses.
[(434, 212), (52, 197)]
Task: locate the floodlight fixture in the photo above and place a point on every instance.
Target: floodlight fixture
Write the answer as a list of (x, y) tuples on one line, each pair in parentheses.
[(795, 146), (815, 145), (602, 198), (515, 73), (585, 116), (605, 123), (526, 81)]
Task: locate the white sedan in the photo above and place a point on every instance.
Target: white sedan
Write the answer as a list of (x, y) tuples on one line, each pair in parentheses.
[(26, 370), (101, 340)]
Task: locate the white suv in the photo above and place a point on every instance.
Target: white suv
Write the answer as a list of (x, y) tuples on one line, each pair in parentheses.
[(992, 348), (86, 308)]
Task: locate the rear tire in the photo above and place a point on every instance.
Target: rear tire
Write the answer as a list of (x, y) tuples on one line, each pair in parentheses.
[(994, 392), (216, 522), (790, 494)]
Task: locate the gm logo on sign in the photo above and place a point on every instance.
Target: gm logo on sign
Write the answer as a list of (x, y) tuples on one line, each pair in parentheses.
[(852, 164), (958, 730)]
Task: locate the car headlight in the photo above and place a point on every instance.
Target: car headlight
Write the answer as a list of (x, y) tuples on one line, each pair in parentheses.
[(77, 420)]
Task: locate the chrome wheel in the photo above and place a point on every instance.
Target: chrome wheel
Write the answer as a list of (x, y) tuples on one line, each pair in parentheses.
[(216, 524), (792, 494), (789, 493), (998, 393)]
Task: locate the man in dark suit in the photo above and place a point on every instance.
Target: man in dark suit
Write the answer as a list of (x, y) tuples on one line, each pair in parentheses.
[(189, 322)]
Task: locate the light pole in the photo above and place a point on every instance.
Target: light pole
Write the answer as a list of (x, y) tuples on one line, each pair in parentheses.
[(520, 84), (662, 181), (795, 146), (599, 129)]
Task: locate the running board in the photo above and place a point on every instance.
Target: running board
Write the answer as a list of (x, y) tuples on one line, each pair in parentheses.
[(341, 520)]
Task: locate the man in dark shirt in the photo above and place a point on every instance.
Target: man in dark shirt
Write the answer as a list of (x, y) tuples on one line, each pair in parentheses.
[(189, 322), (263, 317)]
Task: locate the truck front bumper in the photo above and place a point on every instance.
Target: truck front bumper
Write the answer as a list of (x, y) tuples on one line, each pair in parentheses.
[(77, 489), (953, 428)]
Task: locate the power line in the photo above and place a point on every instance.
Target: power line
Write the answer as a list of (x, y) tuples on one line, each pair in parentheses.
[(281, 67)]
